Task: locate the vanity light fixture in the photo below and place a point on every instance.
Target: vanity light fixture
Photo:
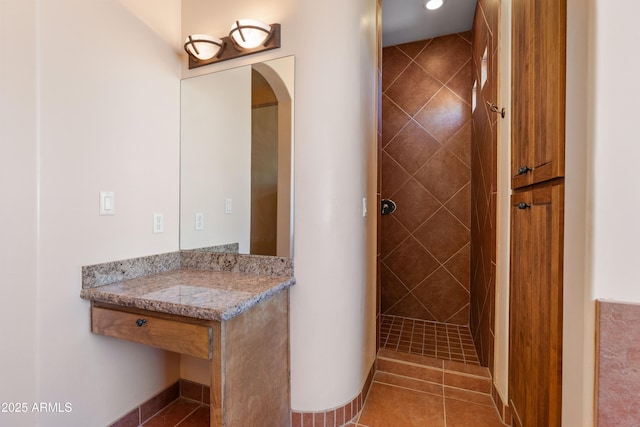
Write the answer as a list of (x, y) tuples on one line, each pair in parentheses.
[(249, 33), (434, 4), (203, 47), (247, 37)]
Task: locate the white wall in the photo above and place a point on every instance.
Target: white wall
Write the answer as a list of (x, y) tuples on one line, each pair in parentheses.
[(603, 92), (335, 133), (616, 151), (578, 308), (332, 308), (334, 129), (93, 104), (18, 190), (503, 208)]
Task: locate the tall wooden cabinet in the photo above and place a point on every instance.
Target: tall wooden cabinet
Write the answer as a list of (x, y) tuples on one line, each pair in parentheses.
[(538, 73), (535, 369), (537, 211)]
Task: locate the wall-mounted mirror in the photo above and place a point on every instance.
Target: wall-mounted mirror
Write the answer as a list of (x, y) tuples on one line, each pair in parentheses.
[(236, 160)]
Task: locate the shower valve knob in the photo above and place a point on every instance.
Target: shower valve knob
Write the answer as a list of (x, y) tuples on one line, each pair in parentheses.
[(387, 206)]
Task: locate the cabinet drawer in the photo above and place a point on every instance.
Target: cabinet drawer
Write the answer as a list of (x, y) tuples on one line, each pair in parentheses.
[(172, 335)]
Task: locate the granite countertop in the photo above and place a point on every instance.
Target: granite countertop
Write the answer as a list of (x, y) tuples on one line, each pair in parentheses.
[(197, 293)]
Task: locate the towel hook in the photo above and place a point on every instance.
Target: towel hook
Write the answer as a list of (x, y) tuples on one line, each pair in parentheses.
[(494, 108)]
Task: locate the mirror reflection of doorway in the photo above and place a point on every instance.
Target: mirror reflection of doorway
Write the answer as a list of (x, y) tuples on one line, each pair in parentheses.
[(270, 141), (264, 166)]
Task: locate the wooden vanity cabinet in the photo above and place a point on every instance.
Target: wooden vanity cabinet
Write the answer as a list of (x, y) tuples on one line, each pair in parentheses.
[(173, 333), (249, 355)]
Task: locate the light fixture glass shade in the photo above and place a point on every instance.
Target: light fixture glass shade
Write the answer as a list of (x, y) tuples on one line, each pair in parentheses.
[(434, 4), (202, 46), (249, 33)]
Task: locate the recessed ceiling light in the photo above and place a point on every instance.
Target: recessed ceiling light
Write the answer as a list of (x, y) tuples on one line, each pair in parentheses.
[(433, 4)]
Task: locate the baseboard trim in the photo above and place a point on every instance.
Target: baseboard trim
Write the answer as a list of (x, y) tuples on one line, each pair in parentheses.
[(335, 417), (503, 409)]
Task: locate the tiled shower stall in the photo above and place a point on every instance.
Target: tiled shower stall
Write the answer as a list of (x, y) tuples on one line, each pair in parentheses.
[(426, 171), (439, 165)]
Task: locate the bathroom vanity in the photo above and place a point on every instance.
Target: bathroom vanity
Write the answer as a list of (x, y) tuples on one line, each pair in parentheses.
[(232, 310)]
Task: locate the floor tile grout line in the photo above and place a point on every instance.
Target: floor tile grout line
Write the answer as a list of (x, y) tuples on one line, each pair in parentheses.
[(424, 337), (448, 349), (401, 321), (387, 335), (188, 415), (458, 373), (444, 409), (413, 328), (143, 422), (488, 405), (412, 389), (464, 355)]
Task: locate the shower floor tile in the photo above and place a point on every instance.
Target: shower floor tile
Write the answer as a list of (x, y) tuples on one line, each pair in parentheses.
[(439, 340)]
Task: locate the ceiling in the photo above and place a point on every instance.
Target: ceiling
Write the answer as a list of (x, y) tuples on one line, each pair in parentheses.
[(405, 21)]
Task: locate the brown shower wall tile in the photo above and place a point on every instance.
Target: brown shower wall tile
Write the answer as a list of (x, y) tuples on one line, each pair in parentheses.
[(425, 169), (483, 185), (617, 364), (444, 56), (393, 119), (413, 89), (413, 147), (414, 48), (395, 61), (444, 115), (393, 175)]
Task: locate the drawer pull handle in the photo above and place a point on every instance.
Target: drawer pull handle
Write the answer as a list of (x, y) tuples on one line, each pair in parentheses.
[(141, 322), (524, 169), (523, 205)]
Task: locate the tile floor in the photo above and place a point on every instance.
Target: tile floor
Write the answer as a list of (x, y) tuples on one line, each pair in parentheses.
[(428, 375), (417, 391), (181, 412), (438, 340)]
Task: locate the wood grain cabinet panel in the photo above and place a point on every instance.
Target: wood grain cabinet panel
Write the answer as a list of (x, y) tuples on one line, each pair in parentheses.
[(537, 211), (539, 91), (172, 335), (535, 353), (249, 355)]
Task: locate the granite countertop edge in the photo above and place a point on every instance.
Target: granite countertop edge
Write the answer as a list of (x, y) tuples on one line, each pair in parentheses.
[(192, 311), (234, 296)]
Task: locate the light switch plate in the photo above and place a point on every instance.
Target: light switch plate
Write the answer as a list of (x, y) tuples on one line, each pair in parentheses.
[(199, 221), (228, 205), (107, 203)]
